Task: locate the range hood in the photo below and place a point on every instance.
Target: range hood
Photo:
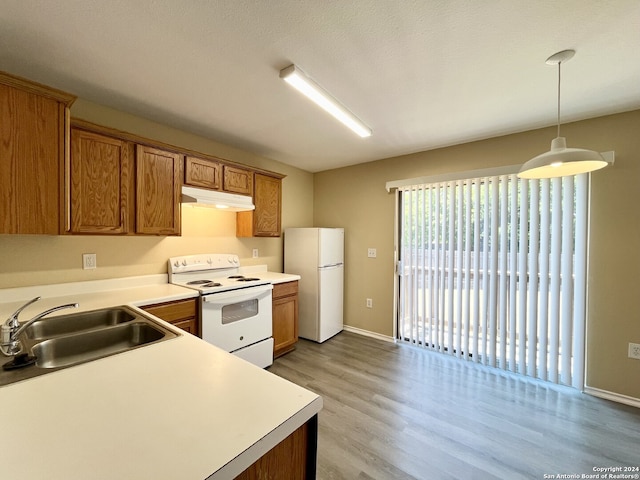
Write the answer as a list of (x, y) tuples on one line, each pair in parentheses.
[(209, 198)]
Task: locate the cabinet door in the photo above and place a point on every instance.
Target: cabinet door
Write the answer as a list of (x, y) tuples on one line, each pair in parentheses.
[(265, 220), (100, 169), (189, 326), (202, 173), (158, 185), (285, 317), (267, 199), (31, 162), (237, 180), (181, 313)]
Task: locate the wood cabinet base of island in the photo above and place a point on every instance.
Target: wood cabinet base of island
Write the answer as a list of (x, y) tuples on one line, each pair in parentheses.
[(293, 458)]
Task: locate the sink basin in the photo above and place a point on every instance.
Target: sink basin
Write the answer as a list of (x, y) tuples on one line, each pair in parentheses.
[(75, 338), (82, 347), (77, 322)]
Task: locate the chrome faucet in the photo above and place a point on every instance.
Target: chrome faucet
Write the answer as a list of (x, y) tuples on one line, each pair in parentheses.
[(11, 329)]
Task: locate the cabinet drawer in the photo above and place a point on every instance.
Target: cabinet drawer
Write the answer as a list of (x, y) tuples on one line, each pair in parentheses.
[(173, 311), (285, 289)]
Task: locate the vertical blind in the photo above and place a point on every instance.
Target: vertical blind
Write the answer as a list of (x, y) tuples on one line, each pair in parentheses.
[(493, 270)]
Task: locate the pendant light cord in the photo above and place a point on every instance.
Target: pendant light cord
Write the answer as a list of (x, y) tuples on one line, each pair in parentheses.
[(559, 63)]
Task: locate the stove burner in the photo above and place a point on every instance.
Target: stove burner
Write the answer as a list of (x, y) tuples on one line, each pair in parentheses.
[(198, 282), (212, 284), (242, 278)]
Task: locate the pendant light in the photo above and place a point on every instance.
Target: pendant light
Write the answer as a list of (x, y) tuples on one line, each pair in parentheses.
[(561, 161)]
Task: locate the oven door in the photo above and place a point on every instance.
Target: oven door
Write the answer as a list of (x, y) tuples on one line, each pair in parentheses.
[(238, 318)]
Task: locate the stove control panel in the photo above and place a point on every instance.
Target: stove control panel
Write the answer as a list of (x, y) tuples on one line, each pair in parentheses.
[(196, 263)]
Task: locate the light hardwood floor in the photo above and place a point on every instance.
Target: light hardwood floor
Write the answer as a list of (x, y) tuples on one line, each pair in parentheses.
[(398, 412)]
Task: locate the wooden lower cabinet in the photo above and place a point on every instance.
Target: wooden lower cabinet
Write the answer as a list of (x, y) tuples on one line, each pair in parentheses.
[(285, 317), (181, 313), (293, 458)]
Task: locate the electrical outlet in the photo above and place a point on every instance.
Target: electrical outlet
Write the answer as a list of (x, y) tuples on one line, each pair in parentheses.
[(89, 261), (369, 303), (634, 350), (255, 253), (371, 253)]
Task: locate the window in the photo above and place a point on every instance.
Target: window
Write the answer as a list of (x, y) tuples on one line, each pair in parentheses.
[(493, 270)]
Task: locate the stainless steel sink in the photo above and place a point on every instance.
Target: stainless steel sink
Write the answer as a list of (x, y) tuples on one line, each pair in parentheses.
[(76, 338), (77, 322), (83, 347)]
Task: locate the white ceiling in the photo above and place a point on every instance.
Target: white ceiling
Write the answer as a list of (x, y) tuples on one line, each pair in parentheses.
[(422, 74)]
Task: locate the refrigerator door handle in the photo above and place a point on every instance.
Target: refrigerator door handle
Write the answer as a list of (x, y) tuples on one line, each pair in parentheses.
[(333, 265)]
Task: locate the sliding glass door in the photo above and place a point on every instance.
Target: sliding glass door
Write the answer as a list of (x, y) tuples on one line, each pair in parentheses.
[(493, 270)]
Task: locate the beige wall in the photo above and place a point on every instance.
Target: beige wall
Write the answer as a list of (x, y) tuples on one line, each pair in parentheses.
[(36, 259), (355, 198)]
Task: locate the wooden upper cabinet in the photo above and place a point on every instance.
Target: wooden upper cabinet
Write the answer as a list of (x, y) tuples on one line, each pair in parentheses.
[(99, 181), (202, 173), (237, 180), (268, 201), (265, 220), (32, 156), (158, 190), (147, 200)]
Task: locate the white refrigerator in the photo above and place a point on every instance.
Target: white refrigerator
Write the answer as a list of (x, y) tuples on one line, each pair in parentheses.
[(317, 255)]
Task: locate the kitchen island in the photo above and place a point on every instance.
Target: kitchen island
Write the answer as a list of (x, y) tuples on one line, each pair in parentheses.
[(178, 409)]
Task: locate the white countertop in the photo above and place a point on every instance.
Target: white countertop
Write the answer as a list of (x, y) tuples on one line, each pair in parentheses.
[(91, 295), (179, 409), (273, 277)]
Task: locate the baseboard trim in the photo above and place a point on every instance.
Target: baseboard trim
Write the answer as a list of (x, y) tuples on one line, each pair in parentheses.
[(367, 333), (614, 397)]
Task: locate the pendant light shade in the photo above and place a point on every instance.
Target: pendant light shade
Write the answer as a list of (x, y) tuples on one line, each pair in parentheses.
[(561, 161)]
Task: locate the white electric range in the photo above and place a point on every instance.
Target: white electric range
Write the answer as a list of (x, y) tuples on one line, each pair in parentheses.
[(235, 310)]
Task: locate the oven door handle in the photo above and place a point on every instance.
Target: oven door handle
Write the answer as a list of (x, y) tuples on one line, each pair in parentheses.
[(237, 295)]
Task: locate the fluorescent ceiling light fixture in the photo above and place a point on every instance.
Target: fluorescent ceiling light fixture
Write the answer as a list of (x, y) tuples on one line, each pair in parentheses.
[(299, 80), (561, 161), (210, 198)]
